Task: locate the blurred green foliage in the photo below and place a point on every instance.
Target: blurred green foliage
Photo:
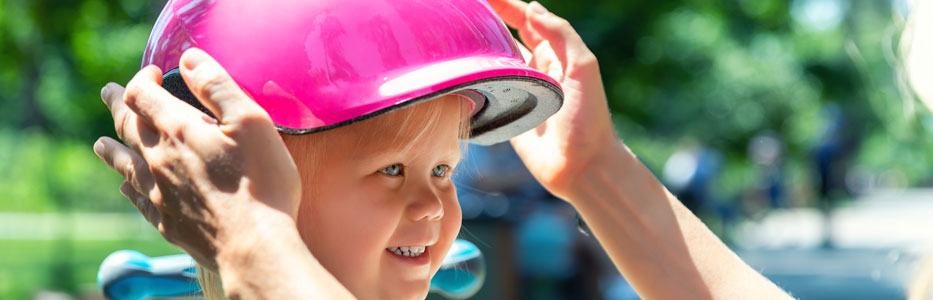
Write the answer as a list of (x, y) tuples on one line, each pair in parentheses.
[(687, 72), (56, 57), (718, 72)]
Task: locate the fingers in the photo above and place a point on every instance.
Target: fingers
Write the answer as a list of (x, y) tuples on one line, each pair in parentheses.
[(127, 163), (567, 44), (513, 13), (544, 59), (536, 26), (138, 182), (125, 121), (156, 106), (211, 84), (142, 204)]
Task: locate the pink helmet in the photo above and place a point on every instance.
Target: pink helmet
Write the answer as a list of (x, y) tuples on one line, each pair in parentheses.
[(319, 64)]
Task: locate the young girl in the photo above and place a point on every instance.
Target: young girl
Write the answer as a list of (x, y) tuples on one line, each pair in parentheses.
[(227, 190)]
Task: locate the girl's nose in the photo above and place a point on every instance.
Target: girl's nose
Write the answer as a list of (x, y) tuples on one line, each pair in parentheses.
[(425, 205)]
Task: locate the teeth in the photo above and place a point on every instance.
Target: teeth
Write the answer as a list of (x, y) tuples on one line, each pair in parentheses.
[(408, 251)]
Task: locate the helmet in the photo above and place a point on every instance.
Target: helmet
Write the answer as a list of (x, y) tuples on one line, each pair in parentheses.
[(320, 64)]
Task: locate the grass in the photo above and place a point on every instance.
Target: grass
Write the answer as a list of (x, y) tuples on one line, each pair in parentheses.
[(29, 266)]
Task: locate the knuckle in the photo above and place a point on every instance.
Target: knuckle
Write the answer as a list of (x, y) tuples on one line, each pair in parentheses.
[(164, 232), (214, 86), (157, 163), (587, 60), (255, 117), (248, 122), (176, 130), (122, 124), (155, 70), (155, 203), (562, 23), (142, 203), (133, 89), (132, 172), (129, 174), (137, 163)]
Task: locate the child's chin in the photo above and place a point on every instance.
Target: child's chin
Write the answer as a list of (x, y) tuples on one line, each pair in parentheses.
[(408, 291)]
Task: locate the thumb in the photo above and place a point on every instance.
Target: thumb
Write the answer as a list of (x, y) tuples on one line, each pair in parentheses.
[(216, 90)]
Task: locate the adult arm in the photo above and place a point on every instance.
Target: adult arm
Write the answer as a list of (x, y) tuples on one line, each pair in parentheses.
[(663, 250), (225, 190)]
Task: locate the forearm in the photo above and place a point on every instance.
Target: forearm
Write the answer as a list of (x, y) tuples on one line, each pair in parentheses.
[(663, 250), (276, 264)]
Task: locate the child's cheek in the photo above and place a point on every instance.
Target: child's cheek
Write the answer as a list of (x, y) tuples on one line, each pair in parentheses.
[(452, 215)]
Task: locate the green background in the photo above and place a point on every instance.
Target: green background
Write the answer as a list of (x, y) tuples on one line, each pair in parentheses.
[(677, 73)]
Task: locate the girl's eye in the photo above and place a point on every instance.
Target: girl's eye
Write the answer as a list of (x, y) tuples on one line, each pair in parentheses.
[(440, 170), (393, 170)]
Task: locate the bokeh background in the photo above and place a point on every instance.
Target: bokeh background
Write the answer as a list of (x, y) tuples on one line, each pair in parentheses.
[(785, 125)]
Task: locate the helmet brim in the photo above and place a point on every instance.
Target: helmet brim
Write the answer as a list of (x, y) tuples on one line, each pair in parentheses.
[(509, 97)]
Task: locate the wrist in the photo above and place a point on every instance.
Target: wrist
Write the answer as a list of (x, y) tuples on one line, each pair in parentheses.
[(256, 233), (605, 167), (273, 262)]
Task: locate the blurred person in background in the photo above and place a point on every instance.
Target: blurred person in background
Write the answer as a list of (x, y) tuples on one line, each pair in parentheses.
[(832, 158), (766, 150), (690, 173)]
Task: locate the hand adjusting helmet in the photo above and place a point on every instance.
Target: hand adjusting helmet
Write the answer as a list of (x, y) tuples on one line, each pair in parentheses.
[(315, 65)]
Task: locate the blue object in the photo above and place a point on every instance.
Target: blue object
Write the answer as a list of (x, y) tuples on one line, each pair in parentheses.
[(462, 273), (130, 275)]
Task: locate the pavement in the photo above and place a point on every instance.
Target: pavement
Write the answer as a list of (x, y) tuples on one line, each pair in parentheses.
[(879, 243)]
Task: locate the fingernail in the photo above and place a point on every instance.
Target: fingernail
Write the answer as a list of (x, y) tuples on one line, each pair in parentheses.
[(537, 8), (105, 92), (99, 146), (193, 58)]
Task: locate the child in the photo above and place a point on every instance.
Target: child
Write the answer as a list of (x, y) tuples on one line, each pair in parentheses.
[(372, 99)]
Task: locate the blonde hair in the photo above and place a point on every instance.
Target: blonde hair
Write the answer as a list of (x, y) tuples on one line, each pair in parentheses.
[(916, 50), (411, 124), (916, 68), (211, 286), (921, 287)]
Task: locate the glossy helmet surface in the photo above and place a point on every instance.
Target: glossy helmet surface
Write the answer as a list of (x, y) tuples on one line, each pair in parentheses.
[(314, 65)]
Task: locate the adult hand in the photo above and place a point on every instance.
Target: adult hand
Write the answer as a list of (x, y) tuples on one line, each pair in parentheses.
[(207, 184), (576, 137)]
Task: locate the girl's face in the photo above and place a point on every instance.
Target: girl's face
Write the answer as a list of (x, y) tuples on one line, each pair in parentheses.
[(377, 185)]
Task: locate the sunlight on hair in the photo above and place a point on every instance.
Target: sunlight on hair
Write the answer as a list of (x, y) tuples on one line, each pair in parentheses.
[(917, 49), (210, 283)]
